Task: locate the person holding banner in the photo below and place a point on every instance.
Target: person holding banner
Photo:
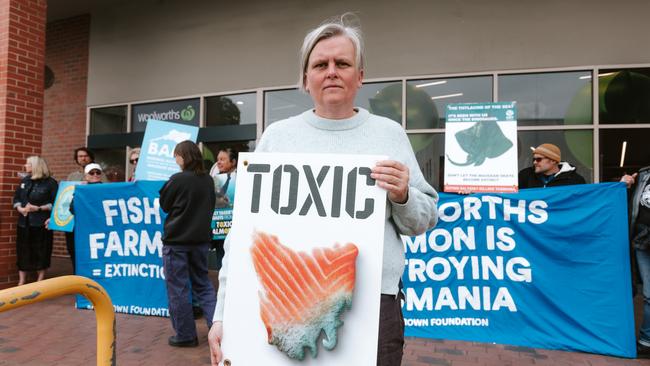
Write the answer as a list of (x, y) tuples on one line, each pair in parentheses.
[(640, 236), (224, 177), (548, 170), (33, 200), (188, 199), (332, 60)]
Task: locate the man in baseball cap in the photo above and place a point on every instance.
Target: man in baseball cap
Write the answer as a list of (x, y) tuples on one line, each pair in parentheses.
[(548, 170)]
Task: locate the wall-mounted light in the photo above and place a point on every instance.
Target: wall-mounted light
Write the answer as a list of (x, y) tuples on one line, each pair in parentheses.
[(623, 148), (447, 96), (599, 75), (431, 83)]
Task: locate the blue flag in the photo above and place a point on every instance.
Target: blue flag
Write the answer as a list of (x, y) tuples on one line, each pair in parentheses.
[(118, 233), (544, 268)]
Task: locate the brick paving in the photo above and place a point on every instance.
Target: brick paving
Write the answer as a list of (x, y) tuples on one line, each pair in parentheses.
[(54, 333)]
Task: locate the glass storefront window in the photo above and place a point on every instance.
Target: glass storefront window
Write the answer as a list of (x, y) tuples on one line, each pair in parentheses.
[(576, 147), (622, 152), (224, 110), (113, 161), (108, 120), (281, 104), (429, 149), (624, 95), (427, 99), (559, 98), (383, 99)]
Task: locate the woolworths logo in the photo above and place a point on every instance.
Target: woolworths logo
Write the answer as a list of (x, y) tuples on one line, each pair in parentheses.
[(186, 114)]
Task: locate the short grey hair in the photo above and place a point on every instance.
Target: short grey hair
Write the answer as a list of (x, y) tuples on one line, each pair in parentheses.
[(331, 28)]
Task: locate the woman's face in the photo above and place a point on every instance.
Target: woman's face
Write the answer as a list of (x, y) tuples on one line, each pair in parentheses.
[(224, 163), (28, 167), (134, 159), (94, 176), (332, 78)]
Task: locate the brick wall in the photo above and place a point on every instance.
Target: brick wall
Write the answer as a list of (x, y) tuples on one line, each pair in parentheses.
[(66, 54), (22, 44)]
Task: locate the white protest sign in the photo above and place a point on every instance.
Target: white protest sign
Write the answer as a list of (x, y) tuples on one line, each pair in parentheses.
[(306, 243)]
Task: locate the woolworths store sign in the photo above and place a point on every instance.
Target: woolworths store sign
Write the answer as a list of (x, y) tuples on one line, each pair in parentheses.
[(179, 111)]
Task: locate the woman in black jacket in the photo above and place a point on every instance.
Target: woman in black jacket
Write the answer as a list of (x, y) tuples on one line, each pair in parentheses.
[(188, 199), (33, 200)]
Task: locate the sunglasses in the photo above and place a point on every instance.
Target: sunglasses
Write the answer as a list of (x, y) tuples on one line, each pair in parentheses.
[(94, 172), (537, 160), (134, 161)]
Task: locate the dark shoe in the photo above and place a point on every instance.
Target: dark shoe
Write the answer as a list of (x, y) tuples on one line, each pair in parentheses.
[(642, 351), (197, 312), (175, 342)]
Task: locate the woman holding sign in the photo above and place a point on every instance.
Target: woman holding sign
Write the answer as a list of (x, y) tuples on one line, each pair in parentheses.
[(332, 72), (188, 199), (33, 200)]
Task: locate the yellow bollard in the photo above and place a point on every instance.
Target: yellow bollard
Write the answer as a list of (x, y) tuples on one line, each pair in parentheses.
[(69, 285)]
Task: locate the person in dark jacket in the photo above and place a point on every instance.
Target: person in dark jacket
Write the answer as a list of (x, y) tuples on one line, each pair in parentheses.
[(640, 240), (188, 199), (33, 200), (548, 170)]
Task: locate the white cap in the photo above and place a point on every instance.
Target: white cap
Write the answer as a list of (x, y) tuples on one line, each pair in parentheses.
[(92, 166)]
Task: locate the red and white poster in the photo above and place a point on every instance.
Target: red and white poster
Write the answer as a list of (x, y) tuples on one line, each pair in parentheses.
[(304, 270)]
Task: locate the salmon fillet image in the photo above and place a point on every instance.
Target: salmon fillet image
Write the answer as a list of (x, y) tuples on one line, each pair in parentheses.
[(303, 294)]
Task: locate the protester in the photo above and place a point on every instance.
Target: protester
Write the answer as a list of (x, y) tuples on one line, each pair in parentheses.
[(548, 170), (331, 72), (93, 173), (226, 170), (640, 236), (188, 199), (82, 157), (134, 156), (33, 200)]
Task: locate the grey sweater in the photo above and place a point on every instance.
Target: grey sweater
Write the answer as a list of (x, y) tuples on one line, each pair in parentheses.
[(364, 133)]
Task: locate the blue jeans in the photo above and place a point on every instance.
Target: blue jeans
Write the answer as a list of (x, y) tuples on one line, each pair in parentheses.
[(185, 266), (643, 259)]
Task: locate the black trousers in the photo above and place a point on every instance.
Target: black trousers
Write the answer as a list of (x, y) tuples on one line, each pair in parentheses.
[(69, 244), (390, 347)]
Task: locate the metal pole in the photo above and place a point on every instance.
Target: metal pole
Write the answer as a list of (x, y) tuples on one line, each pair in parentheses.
[(16, 297)]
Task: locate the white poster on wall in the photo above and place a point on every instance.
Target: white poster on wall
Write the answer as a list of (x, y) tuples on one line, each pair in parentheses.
[(304, 270)]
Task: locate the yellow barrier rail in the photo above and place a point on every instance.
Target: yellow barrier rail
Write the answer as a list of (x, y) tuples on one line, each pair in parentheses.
[(16, 297)]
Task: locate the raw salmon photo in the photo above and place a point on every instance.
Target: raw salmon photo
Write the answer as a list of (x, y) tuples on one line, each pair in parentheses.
[(303, 294)]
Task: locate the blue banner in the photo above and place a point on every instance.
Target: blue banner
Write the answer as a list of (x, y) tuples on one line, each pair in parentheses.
[(61, 218), (157, 160), (118, 243), (544, 268)]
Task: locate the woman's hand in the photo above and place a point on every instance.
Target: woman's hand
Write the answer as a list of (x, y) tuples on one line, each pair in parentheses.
[(393, 176), (31, 208), (47, 223), (22, 210), (214, 340)]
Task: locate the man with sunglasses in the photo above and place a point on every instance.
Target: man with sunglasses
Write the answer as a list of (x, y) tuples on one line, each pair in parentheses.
[(548, 170)]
